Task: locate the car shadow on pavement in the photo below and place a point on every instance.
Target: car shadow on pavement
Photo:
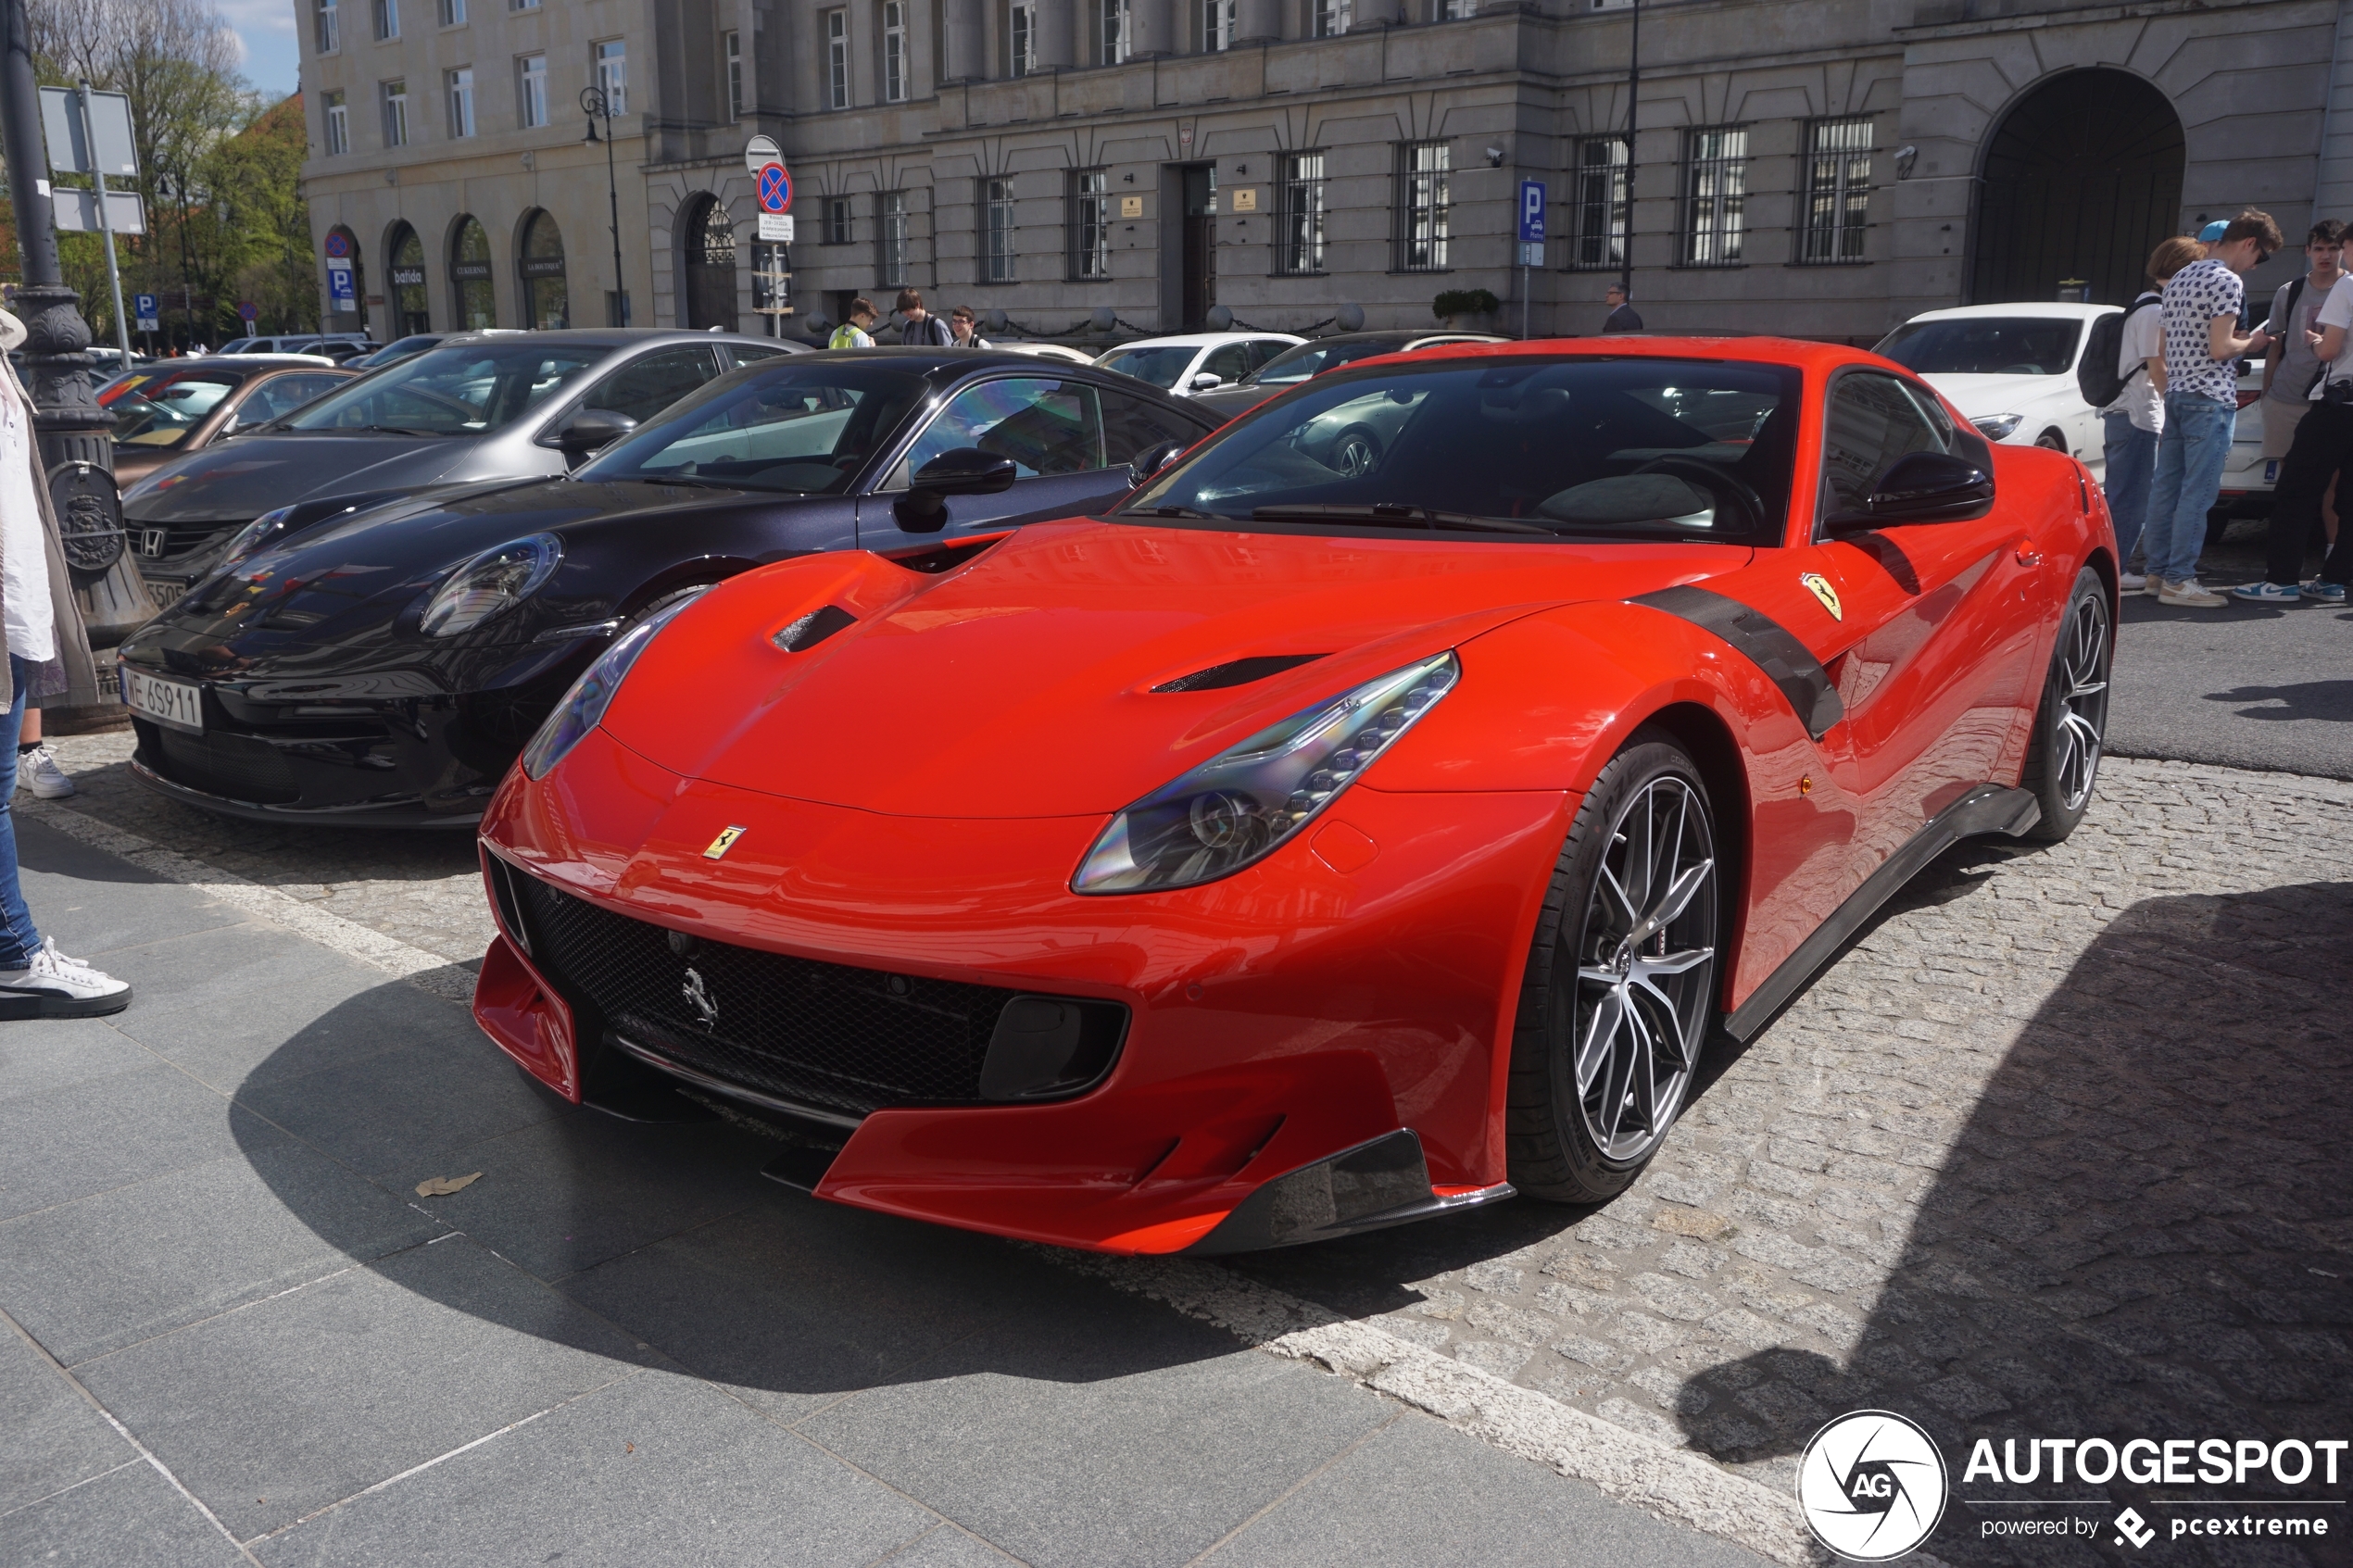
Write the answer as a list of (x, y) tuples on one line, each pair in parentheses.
[(2142, 1229)]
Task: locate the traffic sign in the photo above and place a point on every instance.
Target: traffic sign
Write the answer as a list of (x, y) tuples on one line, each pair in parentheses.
[(342, 285), (759, 152), (1531, 212), (247, 312), (71, 151), (338, 244), (775, 188), (143, 306), (776, 227)]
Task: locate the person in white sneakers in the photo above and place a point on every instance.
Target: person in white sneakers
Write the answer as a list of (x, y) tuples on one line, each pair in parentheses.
[(37, 765), (48, 655)]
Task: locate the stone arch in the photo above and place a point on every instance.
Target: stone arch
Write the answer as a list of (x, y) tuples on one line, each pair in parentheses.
[(338, 310), (473, 289), (539, 263), (405, 273), (707, 239)]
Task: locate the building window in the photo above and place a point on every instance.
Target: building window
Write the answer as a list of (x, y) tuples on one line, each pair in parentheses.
[(531, 90), (890, 237), (453, 13), (1457, 11), (1299, 213), (523, 4), (396, 101), (836, 220), (1838, 191), (388, 21), (338, 119), (1715, 195), (1421, 207), (731, 44), (1333, 16), (461, 101), (837, 59), (1090, 224), (611, 58), (894, 42), (1216, 25), (1113, 22), (1020, 40), (327, 29), (1597, 210), (996, 226)]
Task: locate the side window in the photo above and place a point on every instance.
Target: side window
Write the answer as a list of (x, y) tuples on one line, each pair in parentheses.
[(736, 355), (644, 387), (1872, 422), (1132, 426), (1046, 427), (1232, 362), (1266, 348), (280, 395)]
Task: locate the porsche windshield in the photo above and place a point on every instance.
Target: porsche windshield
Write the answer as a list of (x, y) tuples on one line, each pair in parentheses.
[(805, 430), (1579, 447), (470, 390)]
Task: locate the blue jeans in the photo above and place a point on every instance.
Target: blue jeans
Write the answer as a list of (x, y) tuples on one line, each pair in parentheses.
[(18, 936), (2131, 468), (2189, 476)]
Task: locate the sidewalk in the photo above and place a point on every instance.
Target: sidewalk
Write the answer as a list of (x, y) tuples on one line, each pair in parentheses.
[(236, 1333)]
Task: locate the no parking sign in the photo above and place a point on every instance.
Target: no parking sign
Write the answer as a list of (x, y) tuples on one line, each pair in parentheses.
[(775, 189)]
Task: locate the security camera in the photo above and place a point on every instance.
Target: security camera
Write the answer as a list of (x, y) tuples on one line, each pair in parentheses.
[(1494, 158)]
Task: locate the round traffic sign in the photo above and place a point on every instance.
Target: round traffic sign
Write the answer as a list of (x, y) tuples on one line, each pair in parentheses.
[(775, 189), (249, 311), (338, 244)]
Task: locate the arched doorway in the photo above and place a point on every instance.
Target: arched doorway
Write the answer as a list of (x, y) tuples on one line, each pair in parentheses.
[(347, 282), (547, 304), (708, 235), (410, 312), (470, 284), (2081, 179)]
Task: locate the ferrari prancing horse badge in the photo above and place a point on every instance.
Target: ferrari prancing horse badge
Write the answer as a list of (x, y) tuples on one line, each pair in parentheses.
[(724, 842), (1820, 587)]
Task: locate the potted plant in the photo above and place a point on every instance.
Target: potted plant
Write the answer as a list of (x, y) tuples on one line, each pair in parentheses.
[(1467, 309)]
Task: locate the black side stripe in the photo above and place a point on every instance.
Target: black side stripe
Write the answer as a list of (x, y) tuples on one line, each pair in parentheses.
[(1765, 643)]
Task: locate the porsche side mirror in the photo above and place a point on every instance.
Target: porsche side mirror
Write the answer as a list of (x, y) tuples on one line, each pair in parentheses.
[(1152, 460), (593, 428), (960, 471), (1920, 487), (1207, 381)]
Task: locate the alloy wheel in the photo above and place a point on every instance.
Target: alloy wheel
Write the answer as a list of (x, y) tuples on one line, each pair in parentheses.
[(1355, 455), (2079, 684)]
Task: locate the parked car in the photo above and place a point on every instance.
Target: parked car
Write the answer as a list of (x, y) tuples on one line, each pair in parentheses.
[(384, 667), (417, 343), (2010, 369), (187, 404), (1313, 358), (1047, 351), (532, 405), (1186, 364), (1239, 868), (338, 346)]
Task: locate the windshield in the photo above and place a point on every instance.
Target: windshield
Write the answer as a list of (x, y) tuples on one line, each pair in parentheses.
[(468, 390), (162, 416), (1986, 346), (800, 429), (1609, 447), (1295, 365), (1159, 366)]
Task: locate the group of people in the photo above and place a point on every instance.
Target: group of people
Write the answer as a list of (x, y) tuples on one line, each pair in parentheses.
[(2168, 430), (918, 327)]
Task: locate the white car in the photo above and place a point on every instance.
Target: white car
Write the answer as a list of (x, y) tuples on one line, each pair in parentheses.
[(1047, 351), (2010, 371), (1194, 362)]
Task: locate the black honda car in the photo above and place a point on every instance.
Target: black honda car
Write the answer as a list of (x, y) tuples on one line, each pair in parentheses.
[(384, 666)]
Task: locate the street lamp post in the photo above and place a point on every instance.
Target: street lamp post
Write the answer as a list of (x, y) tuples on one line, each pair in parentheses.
[(593, 103), (1633, 106)]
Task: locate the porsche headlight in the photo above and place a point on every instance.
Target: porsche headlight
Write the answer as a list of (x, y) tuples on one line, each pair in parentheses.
[(582, 708), (255, 534), (1240, 807), (1997, 427), (494, 581)]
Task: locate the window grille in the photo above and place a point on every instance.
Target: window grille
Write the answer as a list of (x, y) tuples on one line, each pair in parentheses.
[(1422, 206), (836, 220), (1299, 213), (1597, 203), (997, 221), (1715, 195), (1838, 192), (890, 237), (1090, 224)]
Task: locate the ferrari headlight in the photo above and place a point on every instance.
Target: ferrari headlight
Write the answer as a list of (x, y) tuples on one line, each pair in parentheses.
[(1997, 427), (494, 581), (255, 534), (582, 708), (1240, 807)]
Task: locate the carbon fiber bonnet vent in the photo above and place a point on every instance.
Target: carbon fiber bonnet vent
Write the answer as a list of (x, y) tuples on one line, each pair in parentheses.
[(1239, 672), (814, 628)]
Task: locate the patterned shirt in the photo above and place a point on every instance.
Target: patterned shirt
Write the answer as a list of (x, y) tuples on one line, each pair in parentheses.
[(2198, 294)]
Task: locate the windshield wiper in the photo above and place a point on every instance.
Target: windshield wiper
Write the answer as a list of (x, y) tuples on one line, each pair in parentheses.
[(361, 430), (1178, 511), (1390, 515), (694, 480)]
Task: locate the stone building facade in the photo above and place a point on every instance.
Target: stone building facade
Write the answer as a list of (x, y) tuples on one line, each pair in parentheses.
[(1822, 168)]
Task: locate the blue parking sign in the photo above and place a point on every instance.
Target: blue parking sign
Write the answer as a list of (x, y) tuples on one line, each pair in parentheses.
[(142, 306), (1531, 212)]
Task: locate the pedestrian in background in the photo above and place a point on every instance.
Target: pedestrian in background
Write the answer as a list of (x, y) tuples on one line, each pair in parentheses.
[(962, 327), (48, 654), (2200, 310), (856, 333), (921, 328), (2133, 421), (2323, 446), (2290, 372), (1622, 318)]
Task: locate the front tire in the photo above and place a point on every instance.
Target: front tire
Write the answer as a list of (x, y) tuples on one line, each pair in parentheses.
[(2070, 725), (1621, 984), (1355, 454)]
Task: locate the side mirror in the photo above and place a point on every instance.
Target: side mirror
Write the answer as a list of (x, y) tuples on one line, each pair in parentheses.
[(1152, 460), (960, 471), (1206, 380), (592, 429), (1920, 487)]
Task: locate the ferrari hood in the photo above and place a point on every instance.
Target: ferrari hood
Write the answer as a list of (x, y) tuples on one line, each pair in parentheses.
[(249, 475), (1075, 666)]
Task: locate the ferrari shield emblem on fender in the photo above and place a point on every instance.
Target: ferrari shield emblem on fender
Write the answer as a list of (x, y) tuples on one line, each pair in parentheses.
[(727, 836), (1816, 583), (697, 997)]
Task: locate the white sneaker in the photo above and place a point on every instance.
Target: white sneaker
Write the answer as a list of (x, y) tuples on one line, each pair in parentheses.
[(2132, 582), (2189, 594), (53, 985), (39, 768)]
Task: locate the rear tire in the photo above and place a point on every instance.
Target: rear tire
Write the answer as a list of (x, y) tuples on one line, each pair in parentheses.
[(1621, 984), (2070, 724)]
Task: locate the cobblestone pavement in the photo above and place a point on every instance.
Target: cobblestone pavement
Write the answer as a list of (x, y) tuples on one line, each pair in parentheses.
[(2054, 1149)]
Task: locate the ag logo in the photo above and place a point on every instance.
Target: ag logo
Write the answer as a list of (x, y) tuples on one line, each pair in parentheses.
[(2131, 1526), (1820, 586), (1871, 1485)]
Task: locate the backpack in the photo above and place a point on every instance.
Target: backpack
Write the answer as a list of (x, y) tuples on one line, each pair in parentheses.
[(2096, 374)]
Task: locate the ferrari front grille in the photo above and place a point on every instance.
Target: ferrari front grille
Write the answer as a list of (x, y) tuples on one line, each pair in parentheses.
[(822, 1034)]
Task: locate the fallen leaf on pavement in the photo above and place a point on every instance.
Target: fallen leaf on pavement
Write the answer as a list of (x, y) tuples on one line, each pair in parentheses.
[(442, 1187)]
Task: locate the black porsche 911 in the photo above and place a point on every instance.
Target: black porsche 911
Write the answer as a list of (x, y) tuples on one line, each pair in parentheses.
[(384, 667)]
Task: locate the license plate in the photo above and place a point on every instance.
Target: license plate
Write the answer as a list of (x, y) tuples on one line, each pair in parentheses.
[(165, 592), (172, 703)]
